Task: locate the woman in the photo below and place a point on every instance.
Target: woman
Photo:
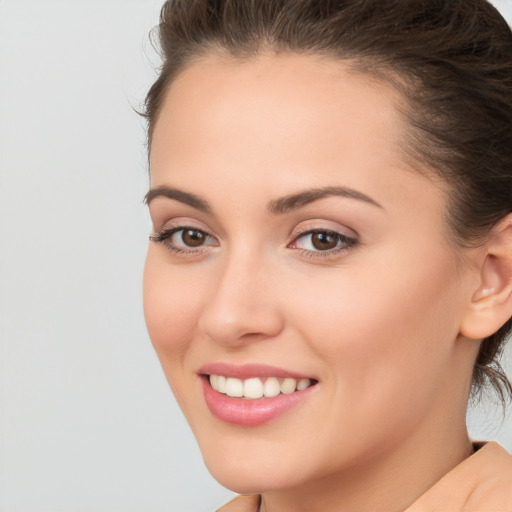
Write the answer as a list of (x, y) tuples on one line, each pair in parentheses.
[(331, 265)]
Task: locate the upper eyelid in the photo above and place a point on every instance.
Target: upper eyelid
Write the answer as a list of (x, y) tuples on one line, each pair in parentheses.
[(346, 232), (176, 229), (166, 234), (341, 235), (293, 234), (171, 224), (164, 237)]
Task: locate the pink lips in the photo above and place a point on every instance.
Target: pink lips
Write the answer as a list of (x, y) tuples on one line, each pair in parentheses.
[(249, 413)]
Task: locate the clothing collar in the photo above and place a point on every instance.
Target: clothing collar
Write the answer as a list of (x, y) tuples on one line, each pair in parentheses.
[(482, 482)]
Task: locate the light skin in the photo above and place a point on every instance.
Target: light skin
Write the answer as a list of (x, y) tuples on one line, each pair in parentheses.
[(387, 320)]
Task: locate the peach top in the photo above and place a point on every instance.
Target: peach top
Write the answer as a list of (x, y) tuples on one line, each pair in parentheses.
[(481, 483)]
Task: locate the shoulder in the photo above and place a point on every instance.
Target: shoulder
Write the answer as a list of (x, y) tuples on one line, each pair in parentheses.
[(483, 482)]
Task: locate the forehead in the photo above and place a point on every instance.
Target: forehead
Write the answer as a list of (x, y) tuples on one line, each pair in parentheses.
[(284, 100), (250, 131)]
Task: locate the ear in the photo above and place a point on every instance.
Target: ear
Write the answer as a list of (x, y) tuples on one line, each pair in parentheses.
[(491, 302)]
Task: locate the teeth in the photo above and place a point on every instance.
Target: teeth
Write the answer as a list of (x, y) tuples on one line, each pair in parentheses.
[(303, 384), (271, 387), (234, 387), (288, 386), (254, 388), (221, 384)]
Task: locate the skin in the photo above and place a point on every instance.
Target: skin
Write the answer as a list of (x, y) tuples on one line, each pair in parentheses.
[(378, 324)]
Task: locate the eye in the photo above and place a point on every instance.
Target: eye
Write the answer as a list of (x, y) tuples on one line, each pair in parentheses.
[(190, 237), (322, 242), (184, 239)]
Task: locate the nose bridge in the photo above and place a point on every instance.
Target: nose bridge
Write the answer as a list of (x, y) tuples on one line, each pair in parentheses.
[(242, 302)]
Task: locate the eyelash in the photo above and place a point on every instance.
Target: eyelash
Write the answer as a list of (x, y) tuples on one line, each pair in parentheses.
[(348, 242), (164, 236)]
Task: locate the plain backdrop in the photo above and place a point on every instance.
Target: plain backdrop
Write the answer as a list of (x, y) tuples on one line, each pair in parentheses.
[(87, 422)]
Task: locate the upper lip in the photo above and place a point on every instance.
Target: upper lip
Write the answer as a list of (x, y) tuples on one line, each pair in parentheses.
[(247, 371)]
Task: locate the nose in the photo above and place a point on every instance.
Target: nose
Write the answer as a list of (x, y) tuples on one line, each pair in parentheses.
[(243, 306)]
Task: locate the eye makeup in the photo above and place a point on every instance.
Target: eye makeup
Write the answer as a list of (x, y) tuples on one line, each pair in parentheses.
[(311, 242), (193, 240), (322, 243)]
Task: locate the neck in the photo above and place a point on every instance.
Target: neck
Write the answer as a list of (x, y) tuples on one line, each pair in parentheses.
[(391, 481)]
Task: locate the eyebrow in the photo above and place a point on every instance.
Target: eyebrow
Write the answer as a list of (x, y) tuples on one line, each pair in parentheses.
[(300, 199), (178, 195), (277, 206)]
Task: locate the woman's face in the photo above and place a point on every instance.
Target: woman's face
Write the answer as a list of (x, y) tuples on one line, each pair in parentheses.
[(292, 241)]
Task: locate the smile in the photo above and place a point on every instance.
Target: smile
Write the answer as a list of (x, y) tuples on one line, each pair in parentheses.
[(256, 387), (251, 395)]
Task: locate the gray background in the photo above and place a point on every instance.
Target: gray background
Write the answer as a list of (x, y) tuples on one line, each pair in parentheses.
[(87, 422)]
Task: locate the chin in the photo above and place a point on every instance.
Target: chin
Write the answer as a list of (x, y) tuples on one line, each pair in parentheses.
[(243, 478), (254, 469)]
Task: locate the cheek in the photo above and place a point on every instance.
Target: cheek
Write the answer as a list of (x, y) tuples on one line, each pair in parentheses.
[(171, 308), (382, 328)]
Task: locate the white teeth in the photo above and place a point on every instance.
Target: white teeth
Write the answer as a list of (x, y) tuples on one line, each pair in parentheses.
[(303, 384), (271, 387), (254, 388), (234, 387), (288, 386), (221, 384)]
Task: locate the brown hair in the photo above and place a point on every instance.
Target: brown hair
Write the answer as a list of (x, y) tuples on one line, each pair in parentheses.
[(450, 59)]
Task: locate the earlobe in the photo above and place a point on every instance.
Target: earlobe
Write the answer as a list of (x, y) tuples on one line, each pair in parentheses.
[(491, 302)]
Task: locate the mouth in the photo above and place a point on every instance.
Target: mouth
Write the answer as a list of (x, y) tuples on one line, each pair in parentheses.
[(252, 395), (257, 387)]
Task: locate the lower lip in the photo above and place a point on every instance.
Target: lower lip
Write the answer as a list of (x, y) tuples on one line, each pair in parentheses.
[(250, 413)]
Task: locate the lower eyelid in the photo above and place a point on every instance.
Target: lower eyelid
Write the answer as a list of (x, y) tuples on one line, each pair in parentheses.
[(165, 236), (331, 254), (348, 243)]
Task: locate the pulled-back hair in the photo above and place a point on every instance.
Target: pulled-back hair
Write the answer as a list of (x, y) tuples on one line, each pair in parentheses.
[(451, 60)]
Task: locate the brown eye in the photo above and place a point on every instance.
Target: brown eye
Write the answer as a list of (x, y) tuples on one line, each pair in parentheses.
[(193, 237), (324, 241), (185, 240)]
